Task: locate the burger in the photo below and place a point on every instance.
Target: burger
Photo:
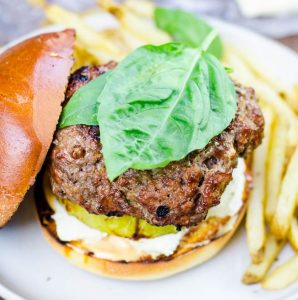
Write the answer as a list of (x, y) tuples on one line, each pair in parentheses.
[(140, 182)]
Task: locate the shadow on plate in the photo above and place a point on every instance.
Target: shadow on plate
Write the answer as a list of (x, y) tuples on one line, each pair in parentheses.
[(25, 214)]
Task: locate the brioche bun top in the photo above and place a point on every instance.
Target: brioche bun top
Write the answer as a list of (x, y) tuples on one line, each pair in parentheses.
[(33, 78)]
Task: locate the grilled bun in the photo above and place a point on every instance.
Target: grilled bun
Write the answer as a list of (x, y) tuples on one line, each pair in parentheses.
[(147, 270), (33, 78), (140, 270)]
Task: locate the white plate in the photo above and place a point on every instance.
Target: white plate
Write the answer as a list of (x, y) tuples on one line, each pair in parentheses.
[(29, 267)]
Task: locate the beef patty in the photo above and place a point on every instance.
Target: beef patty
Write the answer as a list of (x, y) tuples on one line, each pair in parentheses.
[(179, 194)]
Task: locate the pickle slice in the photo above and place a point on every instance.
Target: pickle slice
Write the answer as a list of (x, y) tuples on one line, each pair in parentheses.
[(151, 231), (124, 226)]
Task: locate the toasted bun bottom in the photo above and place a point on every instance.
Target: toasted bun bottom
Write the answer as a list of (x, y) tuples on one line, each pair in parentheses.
[(147, 270), (142, 270)]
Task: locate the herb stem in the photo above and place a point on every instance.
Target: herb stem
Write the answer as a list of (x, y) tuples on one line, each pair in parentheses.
[(208, 40)]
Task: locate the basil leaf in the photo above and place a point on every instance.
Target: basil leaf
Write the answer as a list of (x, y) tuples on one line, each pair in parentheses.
[(186, 28), (82, 107), (161, 103)]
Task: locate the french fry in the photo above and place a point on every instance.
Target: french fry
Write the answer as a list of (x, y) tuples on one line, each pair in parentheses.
[(97, 45), (83, 57), (120, 36), (123, 39), (291, 96), (115, 35), (272, 99), (38, 3), (240, 71), (286, 93), (295, 99), (255, 223), (287, 199), (107, 4), (142, 8), (277, 160), (293, 234), (283, 275), (140, 28), (256, 272), (132, 41), (267, 96), (286, 142)]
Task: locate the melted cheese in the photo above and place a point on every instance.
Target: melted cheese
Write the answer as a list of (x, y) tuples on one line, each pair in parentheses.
[(117, 248)]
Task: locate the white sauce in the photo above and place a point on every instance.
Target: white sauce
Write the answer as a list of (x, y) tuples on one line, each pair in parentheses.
[(106, 246), (231, 199)]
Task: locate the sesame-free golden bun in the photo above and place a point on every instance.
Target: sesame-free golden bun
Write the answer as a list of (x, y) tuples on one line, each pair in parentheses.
[(33, 78)]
